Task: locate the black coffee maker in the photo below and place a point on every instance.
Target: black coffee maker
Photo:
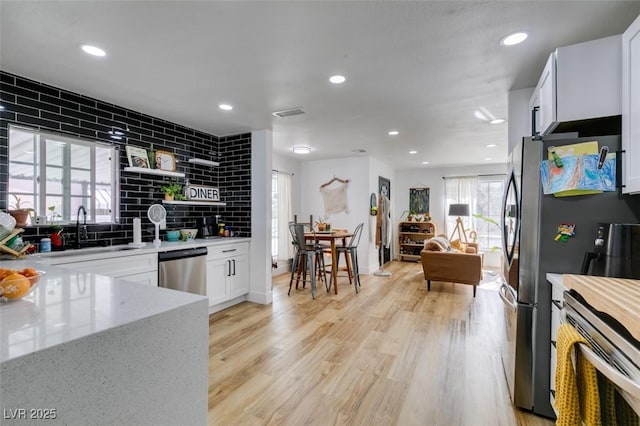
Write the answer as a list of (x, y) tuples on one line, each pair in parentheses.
[(616, 252), (207, 226)]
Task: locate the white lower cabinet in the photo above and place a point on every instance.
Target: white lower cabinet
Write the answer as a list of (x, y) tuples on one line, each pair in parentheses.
[(141, 269), (227, 272), (217, 283)]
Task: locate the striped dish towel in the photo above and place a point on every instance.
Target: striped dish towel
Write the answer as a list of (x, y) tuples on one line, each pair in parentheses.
[(577, 397)]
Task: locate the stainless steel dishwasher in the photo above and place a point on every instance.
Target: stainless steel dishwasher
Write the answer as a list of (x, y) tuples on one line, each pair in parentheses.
[(184, 270)]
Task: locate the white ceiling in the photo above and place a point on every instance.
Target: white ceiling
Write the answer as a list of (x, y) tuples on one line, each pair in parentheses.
[(420, 67)]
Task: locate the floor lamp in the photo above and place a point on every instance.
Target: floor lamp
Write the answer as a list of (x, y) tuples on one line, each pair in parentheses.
[(459, 210)]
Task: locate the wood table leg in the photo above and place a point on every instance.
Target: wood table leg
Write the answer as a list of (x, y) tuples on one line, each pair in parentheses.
[(334, 265)]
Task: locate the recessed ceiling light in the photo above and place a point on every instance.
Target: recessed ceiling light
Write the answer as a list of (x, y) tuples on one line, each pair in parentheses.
[(93, 50), (491, 145), (497, 121), (480, 115), (394, 133), (225, 107), (513, 39), (301, 149), (487, 159), (1, 107), (337, 79), (425, 162), (413, 152)]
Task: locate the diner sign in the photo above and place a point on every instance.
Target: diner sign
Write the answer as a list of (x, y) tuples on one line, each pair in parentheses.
[(203, 193)]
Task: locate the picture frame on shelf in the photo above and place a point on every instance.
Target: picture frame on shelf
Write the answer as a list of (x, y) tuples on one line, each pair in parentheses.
[(165, 160), (137, 157)]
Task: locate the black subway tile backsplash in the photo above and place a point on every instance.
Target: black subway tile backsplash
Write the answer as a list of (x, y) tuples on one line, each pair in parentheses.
[(43, 107)]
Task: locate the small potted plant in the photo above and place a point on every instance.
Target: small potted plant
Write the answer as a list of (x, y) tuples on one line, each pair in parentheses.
[(57, 240), (172, 191), (410, 214), (322, 225), (19, 211)]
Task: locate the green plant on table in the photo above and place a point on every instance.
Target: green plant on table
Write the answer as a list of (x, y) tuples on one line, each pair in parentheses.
[(322, 224)]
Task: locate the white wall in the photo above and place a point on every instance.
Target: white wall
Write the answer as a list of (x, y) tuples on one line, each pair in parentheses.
[(356, 169), (260, 250), (519, 116), (432, 178)]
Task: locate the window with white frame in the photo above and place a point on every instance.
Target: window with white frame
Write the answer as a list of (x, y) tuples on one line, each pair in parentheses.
[(483, 195), (274, 216), (282, 214), (489, 211), (55, 175)]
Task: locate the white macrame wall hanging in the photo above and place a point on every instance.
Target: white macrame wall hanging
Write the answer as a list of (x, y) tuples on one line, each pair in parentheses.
[(334, 195)]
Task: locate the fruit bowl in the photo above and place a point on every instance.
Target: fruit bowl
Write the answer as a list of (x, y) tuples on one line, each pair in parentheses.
[(18, 283)]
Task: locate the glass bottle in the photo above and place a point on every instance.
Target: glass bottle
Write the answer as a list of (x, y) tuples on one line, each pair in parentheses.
[(185, 189)]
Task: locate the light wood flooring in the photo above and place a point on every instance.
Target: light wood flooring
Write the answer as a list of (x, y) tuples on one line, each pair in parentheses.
[(394, 354)]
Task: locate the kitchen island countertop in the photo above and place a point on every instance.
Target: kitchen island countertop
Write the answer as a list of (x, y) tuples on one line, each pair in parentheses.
[(98, 349)]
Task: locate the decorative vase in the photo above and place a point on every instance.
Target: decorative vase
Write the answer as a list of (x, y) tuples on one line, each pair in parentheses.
[(168, 197), (321, 227)]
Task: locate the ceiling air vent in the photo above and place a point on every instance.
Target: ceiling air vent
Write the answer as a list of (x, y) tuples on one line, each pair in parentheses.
[(288, 112)]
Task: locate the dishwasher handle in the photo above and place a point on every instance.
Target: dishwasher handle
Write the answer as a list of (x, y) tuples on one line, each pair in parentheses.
[(181, 254)]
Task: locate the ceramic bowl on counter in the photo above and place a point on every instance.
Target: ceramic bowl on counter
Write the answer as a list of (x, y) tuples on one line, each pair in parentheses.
[(188, 234), (173, 235)]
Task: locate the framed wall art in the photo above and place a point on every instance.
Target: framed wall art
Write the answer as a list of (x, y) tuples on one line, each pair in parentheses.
[(137, 157), (165, 160), (419, 200)]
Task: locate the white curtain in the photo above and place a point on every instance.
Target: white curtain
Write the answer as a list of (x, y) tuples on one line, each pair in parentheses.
[(460, 190), (285, 215)]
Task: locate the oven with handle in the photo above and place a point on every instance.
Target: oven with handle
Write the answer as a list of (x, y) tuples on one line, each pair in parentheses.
[(613, 355)]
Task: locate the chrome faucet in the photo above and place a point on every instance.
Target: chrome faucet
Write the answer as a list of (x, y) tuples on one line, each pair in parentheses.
[(82, 236)]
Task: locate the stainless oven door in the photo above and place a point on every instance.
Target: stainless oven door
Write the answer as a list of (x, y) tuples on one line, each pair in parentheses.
[(612, 355)]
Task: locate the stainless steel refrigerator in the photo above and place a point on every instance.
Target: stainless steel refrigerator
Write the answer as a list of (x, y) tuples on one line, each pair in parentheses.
[(530, 226)]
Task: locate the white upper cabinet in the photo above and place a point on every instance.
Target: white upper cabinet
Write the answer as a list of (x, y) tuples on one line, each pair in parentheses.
[(631, 108), (579, 82)]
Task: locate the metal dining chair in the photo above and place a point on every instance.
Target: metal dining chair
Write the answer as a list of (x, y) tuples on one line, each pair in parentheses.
[(306, 256), (350, 251)]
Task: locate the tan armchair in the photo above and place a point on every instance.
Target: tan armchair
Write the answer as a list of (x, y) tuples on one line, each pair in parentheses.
[(453, 266)]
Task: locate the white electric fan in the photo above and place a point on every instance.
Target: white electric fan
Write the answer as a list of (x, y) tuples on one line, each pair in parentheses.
[(157, 214)]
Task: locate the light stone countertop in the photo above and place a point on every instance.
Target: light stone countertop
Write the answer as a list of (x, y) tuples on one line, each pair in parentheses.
[(118, 251), (68, 305)]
